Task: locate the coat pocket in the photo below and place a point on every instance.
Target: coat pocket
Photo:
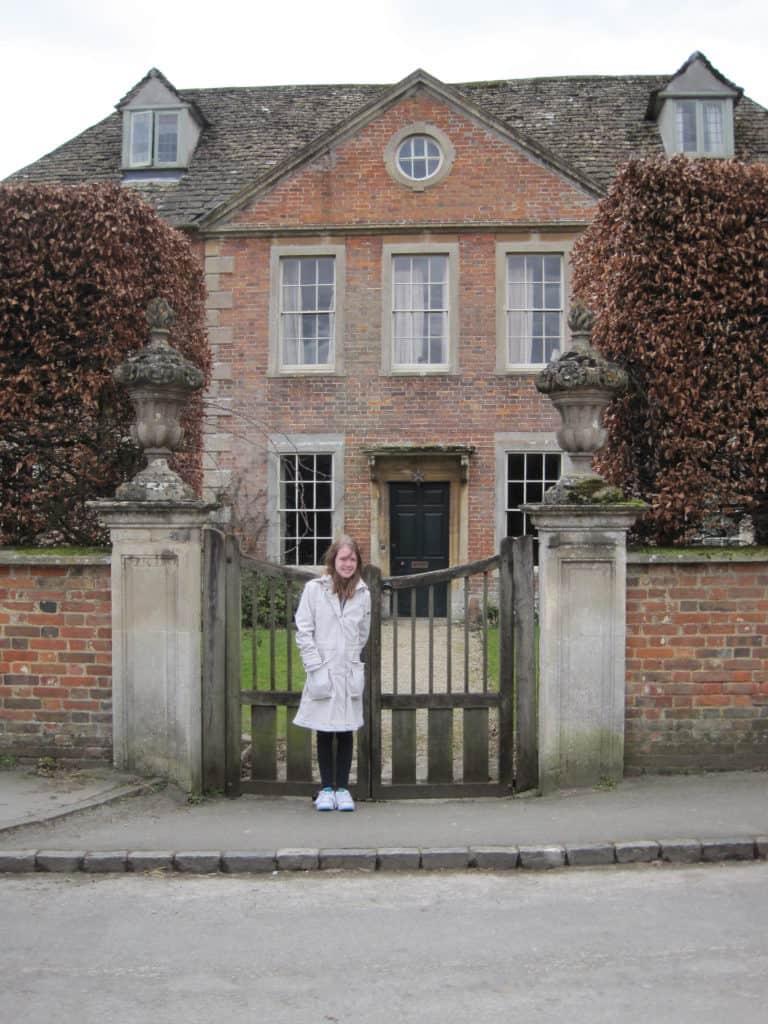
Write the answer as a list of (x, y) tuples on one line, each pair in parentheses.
[(357, 679), (318, 685)]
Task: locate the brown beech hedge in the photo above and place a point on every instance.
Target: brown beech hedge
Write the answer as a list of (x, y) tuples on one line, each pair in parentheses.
[(78, 266), (675, 267)]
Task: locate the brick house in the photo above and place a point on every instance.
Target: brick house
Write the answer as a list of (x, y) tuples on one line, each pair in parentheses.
[(388, 269)]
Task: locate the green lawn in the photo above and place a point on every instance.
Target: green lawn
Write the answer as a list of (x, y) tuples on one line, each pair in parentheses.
[(281, 640)]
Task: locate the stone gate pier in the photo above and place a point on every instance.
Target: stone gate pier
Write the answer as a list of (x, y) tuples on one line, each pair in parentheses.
[(582, 526)]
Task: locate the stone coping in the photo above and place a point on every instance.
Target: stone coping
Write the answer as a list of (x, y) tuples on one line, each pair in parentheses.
[(664, 556), (697, 556), (25, 556), (542, 857)]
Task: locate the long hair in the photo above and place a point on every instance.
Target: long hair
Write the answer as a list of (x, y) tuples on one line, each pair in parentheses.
[(344, 588)]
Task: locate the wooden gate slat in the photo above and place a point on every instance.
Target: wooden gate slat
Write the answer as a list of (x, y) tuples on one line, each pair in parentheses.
[(298, 750), (403, 745), (263, 741), (525, 714), (440, 745), (234, 618), (475, 730), (214, 662)]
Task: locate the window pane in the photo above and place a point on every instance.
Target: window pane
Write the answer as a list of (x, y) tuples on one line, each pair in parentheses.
[(290, 269), (307, 286), (534, 284), (515, 494), (306, 507), (326, 270), (515, 524), (529, 475), (167, 137), (420, 315), (713, 127), (141, 137), (516, 466), (685, 111)]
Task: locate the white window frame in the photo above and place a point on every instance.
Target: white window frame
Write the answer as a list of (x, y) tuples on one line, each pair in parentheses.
[(430, 131), (700, 149), (389, 253), (153, 160), (534, 247), (518, 443), (277, 364), (298, 446)]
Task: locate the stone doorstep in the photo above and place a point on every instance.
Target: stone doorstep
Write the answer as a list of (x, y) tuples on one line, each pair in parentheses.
[(490, 858)]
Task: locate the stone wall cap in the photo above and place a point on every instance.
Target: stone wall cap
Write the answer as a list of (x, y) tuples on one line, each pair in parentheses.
[(620, 510), (697, 556), (26, 556)]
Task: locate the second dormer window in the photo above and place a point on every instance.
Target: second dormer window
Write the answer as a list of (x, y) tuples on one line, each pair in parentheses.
[(699, 127), (154, 138)]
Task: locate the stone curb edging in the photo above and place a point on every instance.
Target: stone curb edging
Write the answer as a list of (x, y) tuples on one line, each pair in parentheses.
[(492, 858)]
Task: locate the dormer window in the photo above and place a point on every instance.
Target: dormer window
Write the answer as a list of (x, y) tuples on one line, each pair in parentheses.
[(700, 127), (694, 110), (154, 138), (161, 130)]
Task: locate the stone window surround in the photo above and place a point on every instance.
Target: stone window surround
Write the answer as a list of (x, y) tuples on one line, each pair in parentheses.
[(292, 444), (418, 248), (277, 252), (530, 442), (433, 132), (534, 246)]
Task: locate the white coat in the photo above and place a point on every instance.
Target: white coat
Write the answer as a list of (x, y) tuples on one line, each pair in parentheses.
[(330, 639)]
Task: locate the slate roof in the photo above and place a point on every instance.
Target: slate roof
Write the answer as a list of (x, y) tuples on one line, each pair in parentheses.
[(592, 124)]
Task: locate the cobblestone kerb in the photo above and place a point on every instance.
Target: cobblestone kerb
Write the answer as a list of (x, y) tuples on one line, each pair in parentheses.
[(484, 858)]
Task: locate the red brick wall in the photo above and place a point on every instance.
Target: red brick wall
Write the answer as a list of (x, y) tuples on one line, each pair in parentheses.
[(368, 407), (697, 664), (55, 657)]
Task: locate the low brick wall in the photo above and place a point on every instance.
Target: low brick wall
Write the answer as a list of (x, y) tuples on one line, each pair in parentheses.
[(55, 657), (697, 661)]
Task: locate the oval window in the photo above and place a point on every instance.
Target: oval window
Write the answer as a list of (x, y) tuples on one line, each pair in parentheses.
[(419, 157)]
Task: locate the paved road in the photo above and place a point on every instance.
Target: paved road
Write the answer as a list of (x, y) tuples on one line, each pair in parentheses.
[(672, 945)]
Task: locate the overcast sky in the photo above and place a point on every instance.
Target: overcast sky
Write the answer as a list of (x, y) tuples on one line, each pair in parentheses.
[(64, 64)]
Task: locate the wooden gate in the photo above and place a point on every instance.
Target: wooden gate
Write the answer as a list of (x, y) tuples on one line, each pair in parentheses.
[(449, 704)]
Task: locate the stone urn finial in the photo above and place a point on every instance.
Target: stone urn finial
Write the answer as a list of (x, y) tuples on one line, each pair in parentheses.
[(581, 383), (159, 381)]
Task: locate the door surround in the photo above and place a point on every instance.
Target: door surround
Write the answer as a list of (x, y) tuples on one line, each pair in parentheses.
[(406, 463)]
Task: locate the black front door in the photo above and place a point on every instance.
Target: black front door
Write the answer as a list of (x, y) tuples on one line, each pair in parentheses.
[(419, 539)]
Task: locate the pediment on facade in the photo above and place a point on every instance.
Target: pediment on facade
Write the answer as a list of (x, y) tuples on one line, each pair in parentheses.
[(417, 92)]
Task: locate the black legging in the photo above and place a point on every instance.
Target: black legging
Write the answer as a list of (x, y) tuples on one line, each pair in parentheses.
[(344, 744)]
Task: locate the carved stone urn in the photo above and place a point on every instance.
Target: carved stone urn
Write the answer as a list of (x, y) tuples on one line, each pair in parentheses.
[(580, 383), (159, 381)]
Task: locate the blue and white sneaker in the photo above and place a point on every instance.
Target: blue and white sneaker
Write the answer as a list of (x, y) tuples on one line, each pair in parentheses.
[(326, 800), (344, 801)]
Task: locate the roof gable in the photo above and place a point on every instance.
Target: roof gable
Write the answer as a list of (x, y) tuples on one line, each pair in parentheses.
[(418, 81), (154, 90), (698, 78), (353, 183)]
